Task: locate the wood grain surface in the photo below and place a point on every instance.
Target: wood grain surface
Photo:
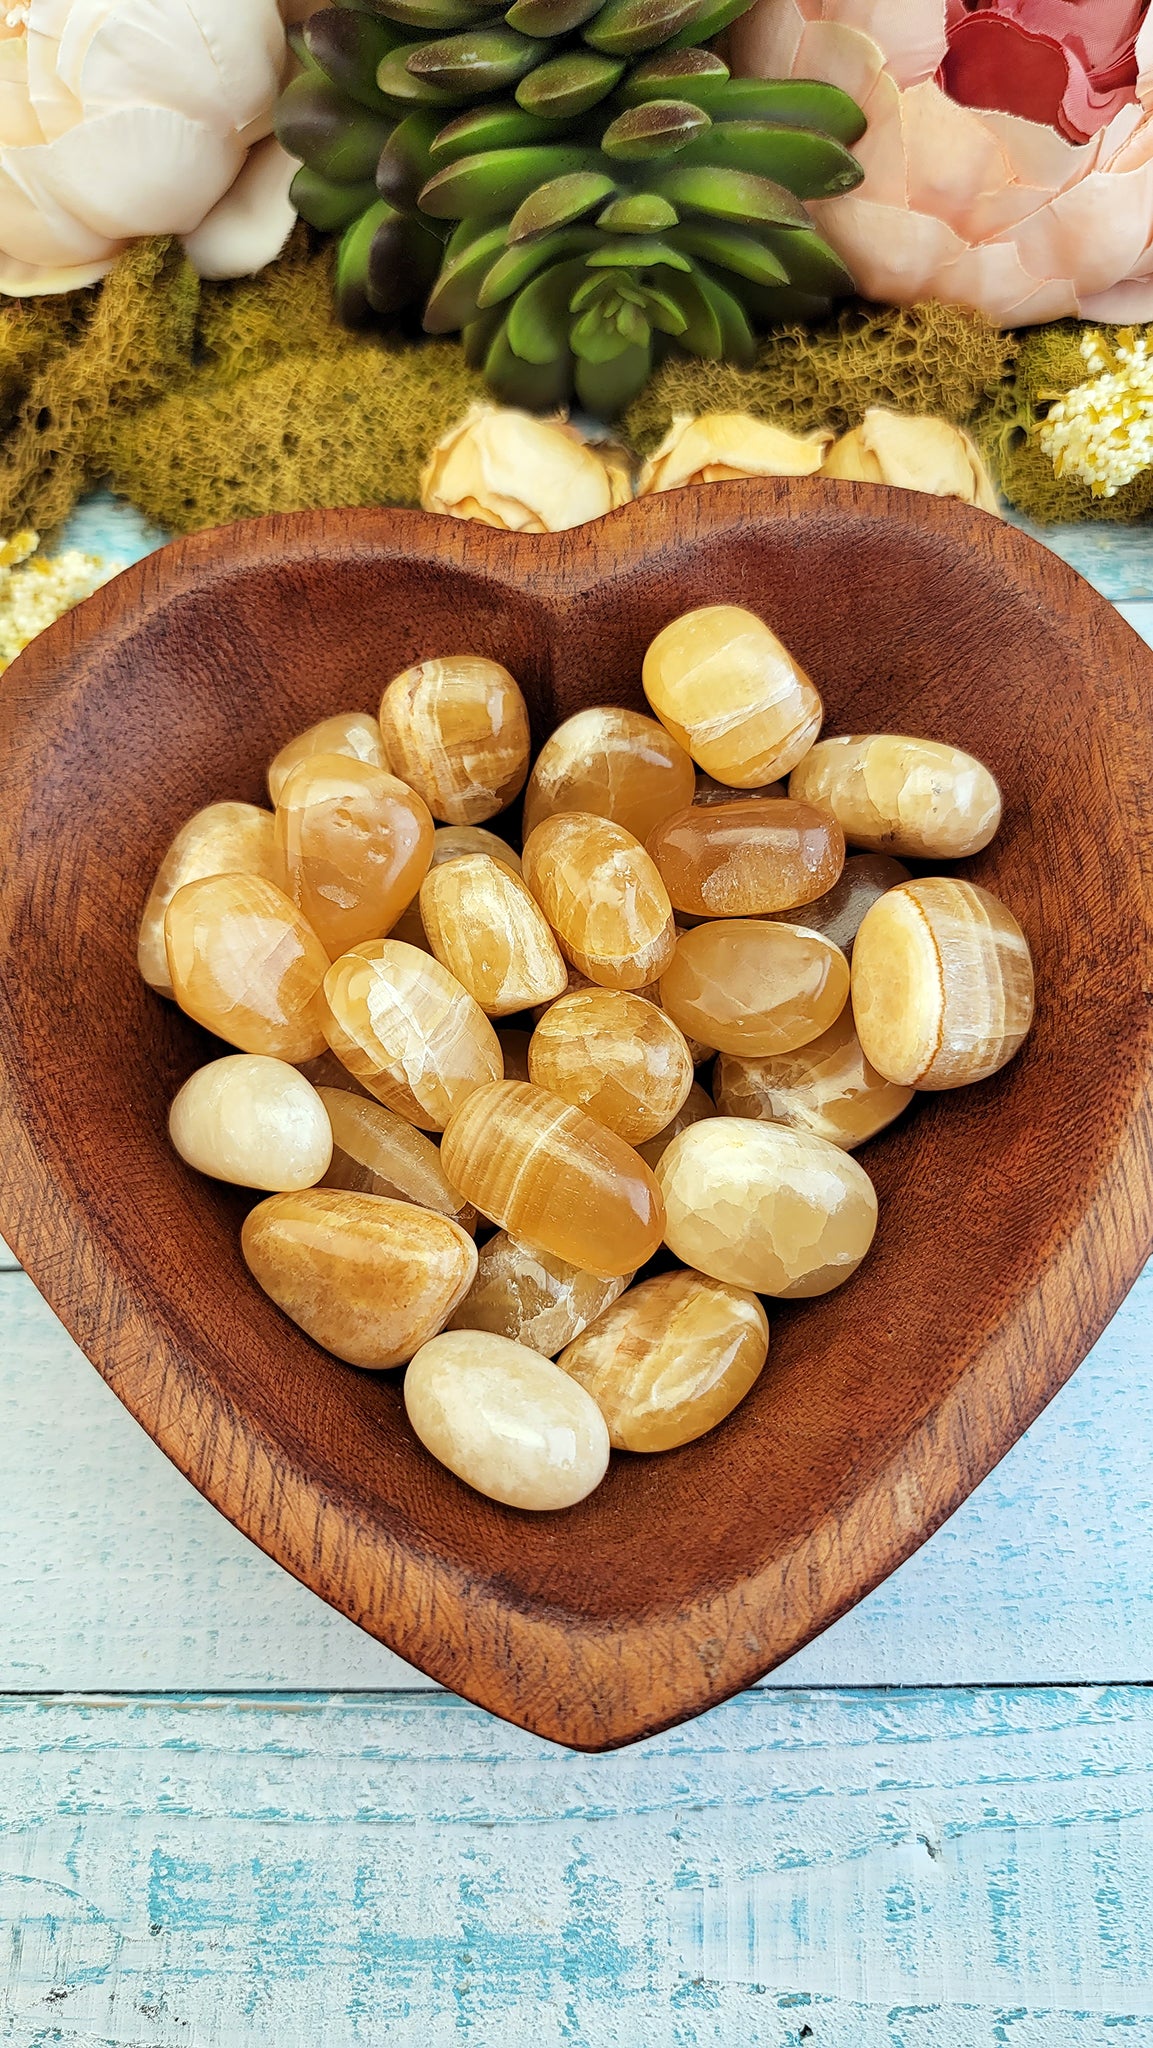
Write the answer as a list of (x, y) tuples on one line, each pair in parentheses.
[(885, 1405)]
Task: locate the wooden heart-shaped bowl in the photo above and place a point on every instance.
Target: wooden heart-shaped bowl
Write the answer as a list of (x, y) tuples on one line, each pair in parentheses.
[(1013, 1215)]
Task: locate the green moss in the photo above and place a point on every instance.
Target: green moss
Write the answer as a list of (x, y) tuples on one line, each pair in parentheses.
[(1049, 362)]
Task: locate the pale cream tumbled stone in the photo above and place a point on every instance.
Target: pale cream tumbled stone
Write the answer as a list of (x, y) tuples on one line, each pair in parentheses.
[(532, 1297), (942, 987), (761, 1206), (456, 731), (253, 1121), (893, 794), (225, 838), (670, 1359), (356, 734), (409, 1032), (827, 1087), (486, 928), (369, 1279), (505, 1420), (376, 1152), (723, 684)]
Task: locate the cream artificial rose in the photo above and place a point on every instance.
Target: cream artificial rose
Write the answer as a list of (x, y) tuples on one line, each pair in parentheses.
[(718, 446), (122, 118), (915, 453), (524, 474)]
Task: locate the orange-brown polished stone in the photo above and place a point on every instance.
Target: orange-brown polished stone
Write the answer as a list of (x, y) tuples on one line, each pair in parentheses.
[(747, 859), (670, 1359), (827, 1087), (376, 1152), (222, 839), (246, 965), (725, 687), (749, 986), (615, 1055), (603, 897), (614, 763), (355, 844), (550, 1175), (457, 731), (406, 1028)]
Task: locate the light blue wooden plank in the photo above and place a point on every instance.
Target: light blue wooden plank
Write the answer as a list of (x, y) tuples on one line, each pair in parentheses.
[(116, 1574), (909, 1870), (108, 526)]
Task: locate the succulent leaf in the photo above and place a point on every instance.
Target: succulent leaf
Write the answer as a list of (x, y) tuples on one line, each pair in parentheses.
[(326, 205), (475, 62), (660, 128), (638, 213), (559, 202), (550, 18), (813, 166), (341, 142), (500, 180), (622, 28), (569, 84), (454, 299), (517, 264), (730, 195), (501, 125), (537, 329), (732, 250), (405, 164), (606, 388), (539, 386), (347, 45)]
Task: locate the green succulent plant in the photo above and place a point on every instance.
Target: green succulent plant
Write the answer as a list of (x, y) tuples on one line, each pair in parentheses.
[(575, 231)]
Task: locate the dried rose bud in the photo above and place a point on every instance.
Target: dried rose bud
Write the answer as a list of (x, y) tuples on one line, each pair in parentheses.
[(522, 474), (721, 445), (916, 453)]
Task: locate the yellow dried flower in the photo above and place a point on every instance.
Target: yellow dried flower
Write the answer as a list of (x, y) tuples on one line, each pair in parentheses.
[(1101, 432), (523, 474), (914, 453), (719, 445), (35, 590)]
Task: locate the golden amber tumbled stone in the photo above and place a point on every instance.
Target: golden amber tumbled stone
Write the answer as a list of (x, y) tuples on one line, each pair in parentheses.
[(535, 1299), (369, 1279), (253, 1121), (749, 986), (355, 734), (723, 684), (603, 897), (670, 1359), (838, 915), (376, 1152), (457, 731), (614, 763), (761, 1206), (546, 1172), (697, 1105), (486, 928), (406, 1028), (448, 843), (942, 984), (616, 1056), (827, 1087), (246, 965), (221, 839), (893, 794), (355, 844), (506, 1421), (747, 859)]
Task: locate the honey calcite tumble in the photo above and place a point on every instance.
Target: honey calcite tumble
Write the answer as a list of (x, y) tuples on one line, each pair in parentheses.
[(448, 843), (827, 1087), (253, 1121), (748, 986), (221, 839), (616, 764), (603, 897), (547, 1173), (376, 1152), (760, 1206), (670, 1359), (898, 795), (457, 731), (747, 859), (616, 1056), (369, 1279), (942, 984), (246, 965), (839, 914), (528, 1295), (724, 685), (355, 734), (406, 1028), (506, 1421), (484, 926), (697, 1105), (355, 843)]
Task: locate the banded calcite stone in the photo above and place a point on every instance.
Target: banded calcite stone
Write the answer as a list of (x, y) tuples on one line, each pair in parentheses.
[(506, 1421), (697, 1105), (486, 928), (528, 1295), (723, 684), (355, 844), (603, 897), (247, 966), (613, 763), (670, 1359), (221, 839), (827, 1087), (355, 734), (751, 986), (893, 794), (376, 1152), (616, 1056), (747, 859), (456, 731), (406, 1028)]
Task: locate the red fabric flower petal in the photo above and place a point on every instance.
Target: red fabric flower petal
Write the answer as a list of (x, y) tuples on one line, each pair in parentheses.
[(993, 62)]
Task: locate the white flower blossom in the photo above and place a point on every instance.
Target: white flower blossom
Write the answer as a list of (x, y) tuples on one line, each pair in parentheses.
[(1101, 432)]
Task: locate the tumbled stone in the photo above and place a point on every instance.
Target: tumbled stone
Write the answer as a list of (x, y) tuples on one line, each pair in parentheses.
[(827, 1087), (613, 763), (326, 1071), (723, 684), (546, 1172), (253, 1121), (670, 1359), (457, 732), (616, 1056), (506, 1421), (355, 734), (603, 897), (749, 986), (942, 984), (355, 844), (448, 843), (221, 839), (246, 965), (838, 915), (761, 1206), (697, 1105), (406, 1028), (747, 859), (376, 1152), (893, 794), (528, 1295), (486, 928), (708, 790), (369, 1279)]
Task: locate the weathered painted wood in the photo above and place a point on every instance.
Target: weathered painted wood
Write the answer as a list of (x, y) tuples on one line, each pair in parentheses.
[(117, 1575), (905, 1870)]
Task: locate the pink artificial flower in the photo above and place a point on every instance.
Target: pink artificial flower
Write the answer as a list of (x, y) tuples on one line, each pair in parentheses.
[(1029, 208)]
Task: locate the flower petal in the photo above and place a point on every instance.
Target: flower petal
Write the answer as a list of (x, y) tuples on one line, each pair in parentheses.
[(1093, 233), (248, 49), (842, 56), (955, 160), (1132, 300), (994, 281), (910, 33), (765, 40), (34, 227), (881, 149), (892, 253), (18, 123), (251, 224), (135, 171), (154, 52), (35, 280), (1039, 156)]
